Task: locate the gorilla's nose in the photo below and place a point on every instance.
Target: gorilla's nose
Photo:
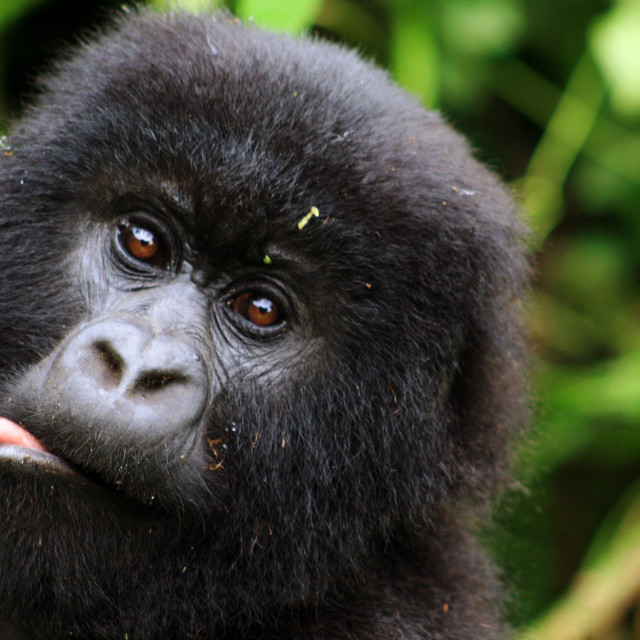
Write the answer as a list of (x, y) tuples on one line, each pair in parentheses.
[(123, 375)]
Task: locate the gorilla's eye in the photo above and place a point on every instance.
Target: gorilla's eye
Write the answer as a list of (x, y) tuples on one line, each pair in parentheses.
[(143, 244), (256, 308)]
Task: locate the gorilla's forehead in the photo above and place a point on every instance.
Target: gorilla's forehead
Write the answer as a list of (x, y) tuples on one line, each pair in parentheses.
[(250, 131), (240, 117)]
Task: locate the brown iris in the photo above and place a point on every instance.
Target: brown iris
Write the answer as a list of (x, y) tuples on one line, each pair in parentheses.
[(256, 308), (143, 244)]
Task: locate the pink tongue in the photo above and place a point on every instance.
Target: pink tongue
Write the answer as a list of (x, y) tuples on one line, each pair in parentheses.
[(12, 433)]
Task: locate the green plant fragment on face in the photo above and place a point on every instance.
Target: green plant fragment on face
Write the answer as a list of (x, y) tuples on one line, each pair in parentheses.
[(314, 213)]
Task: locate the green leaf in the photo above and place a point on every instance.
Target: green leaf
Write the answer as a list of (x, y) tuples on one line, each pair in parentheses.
[(11, 9), (615, 44), (414, 53), (483, 27), (282, 15)]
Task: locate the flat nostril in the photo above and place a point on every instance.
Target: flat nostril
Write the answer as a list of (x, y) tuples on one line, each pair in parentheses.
[(126, 376), (113, 364), (113, 370), (158, 380)]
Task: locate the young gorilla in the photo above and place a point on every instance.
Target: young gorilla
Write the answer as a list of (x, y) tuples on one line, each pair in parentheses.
[(259, 343)]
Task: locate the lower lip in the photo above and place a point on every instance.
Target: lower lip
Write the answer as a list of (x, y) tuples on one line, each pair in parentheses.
[(18, 446), (24, 456)]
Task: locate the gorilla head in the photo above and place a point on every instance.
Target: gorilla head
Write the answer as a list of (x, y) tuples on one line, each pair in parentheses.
[(259, 347)]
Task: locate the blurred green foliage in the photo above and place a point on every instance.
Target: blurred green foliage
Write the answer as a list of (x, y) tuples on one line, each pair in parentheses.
[(549, 93), (10, 9)]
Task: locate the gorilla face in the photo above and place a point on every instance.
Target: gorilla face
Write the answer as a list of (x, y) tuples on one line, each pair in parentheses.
[(258, 345)]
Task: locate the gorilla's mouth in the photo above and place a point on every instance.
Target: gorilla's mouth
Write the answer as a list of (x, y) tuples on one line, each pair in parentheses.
[(20, 446)]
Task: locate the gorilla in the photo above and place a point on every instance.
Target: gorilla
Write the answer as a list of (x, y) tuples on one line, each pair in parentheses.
[(261, 356)]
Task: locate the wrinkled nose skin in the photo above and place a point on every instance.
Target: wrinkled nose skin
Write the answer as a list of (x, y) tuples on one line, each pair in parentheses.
[(123, 375)]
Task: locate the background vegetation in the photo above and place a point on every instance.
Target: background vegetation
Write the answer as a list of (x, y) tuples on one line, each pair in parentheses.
[(549, 93)]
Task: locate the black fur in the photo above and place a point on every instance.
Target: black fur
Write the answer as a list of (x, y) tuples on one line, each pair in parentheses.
[(349, 453)]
